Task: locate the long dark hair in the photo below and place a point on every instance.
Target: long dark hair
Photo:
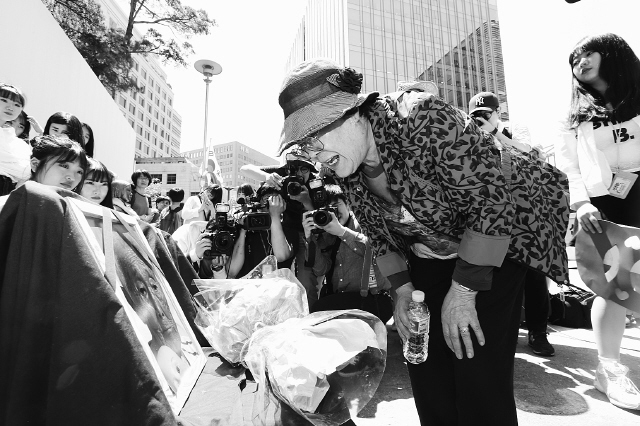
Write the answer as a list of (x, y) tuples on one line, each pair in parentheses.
[(74, 126), (26, 126), (620, 69), (47, 148), (88, 148), (98, 172)]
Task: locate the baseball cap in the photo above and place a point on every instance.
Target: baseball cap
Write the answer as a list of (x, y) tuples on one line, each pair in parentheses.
[(484, 101)]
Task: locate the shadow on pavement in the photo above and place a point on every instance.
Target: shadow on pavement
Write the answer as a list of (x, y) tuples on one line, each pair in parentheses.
[(395, 383), (558, 385)]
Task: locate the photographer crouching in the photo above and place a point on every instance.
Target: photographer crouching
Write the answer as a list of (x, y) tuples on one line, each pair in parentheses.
[(336, 248)]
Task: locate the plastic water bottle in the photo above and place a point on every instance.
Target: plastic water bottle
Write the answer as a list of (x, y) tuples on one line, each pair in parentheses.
[(416, 346)]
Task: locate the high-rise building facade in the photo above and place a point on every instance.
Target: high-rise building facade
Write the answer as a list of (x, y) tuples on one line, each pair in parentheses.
[(231, 156), (455, 43), (150, 111)]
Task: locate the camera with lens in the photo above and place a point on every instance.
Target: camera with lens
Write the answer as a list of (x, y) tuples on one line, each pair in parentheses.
[(484, 114), (221, 232), (292, 184), (320, 201), (254, 220)]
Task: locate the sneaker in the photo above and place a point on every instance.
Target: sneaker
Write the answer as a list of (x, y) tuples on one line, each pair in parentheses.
[(611, 379), (540, 345)]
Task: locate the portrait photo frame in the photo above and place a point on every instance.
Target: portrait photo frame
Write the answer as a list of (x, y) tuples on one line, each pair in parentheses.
[(153, 310)]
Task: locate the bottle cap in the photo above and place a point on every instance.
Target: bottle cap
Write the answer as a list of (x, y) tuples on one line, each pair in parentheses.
[(417, 296)]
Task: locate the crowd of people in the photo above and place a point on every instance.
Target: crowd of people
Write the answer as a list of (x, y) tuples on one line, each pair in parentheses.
[(414, 196)]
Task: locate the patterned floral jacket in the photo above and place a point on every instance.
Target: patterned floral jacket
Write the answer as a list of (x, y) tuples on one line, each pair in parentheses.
[(448, 174)]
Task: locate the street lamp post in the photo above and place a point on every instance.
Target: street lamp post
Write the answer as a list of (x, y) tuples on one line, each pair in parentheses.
[(208, 69)]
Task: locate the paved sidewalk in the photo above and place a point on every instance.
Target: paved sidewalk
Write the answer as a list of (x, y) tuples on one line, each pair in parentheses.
[(549, 391)]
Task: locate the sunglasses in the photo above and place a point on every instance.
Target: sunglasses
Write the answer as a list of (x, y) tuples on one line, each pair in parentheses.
[(484, 114)]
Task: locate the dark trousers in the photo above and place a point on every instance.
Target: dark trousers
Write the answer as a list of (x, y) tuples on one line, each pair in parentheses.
[(379, 305), (536, 302), (476, 391)]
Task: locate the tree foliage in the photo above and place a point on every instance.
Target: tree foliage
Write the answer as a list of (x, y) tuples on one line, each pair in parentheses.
[(108, 51)]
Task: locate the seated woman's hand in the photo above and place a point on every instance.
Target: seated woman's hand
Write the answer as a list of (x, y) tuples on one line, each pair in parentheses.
[(588, 215)]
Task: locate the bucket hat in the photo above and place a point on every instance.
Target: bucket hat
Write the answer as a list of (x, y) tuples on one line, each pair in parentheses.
[(420, 85), (315, 94)]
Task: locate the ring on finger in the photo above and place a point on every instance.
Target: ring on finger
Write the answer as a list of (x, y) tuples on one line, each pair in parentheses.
[(464, 330)]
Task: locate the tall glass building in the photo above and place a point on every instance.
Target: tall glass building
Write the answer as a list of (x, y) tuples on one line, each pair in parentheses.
[(455, 43)]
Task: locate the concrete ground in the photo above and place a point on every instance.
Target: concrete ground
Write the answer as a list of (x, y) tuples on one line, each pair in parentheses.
[(549, 391)]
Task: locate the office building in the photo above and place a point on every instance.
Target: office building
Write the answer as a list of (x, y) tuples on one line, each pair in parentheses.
[(172, 172), (150, 111), (455, 43), (231, 156)]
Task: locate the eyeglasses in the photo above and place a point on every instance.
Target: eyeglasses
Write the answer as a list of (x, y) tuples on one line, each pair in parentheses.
[(311, 144), (484, 114), (304, 169)]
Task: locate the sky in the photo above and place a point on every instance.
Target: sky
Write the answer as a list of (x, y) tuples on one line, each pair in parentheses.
[(252, 43), (253, 39)]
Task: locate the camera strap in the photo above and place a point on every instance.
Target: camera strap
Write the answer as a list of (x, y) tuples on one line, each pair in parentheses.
[(366, 270), (264, 246)]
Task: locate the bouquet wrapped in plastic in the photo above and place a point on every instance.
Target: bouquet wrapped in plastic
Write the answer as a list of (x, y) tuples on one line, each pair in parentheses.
[(324, 367), (230, 310)]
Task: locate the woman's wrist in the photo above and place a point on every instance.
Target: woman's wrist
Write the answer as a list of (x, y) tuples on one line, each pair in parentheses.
[(460, 289)]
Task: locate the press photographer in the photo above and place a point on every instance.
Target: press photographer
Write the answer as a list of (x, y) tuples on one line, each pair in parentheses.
[(254, 242), (195, 238), (201, 206), (336, 248), (292, 180)]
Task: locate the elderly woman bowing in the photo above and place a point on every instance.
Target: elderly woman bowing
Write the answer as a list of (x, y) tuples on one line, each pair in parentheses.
[(427, 188)]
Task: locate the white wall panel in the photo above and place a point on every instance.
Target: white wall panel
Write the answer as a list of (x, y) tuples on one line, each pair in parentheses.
[(40, 59)]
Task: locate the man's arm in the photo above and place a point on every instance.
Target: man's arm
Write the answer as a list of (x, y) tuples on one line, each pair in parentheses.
[(269, 175), (281, 247), (237, 257)]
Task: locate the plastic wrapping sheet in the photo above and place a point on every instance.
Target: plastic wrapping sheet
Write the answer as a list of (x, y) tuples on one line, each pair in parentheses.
[(326, 366), (609, 263), (230, 310)]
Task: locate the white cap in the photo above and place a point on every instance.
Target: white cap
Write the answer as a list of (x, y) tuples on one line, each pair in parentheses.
[(417, 296)]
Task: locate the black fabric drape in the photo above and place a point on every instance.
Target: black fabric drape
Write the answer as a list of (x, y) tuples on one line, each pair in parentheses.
[(178, 271), (68, 353)]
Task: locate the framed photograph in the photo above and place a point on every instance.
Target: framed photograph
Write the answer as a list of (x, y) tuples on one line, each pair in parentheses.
[(157, 318)]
